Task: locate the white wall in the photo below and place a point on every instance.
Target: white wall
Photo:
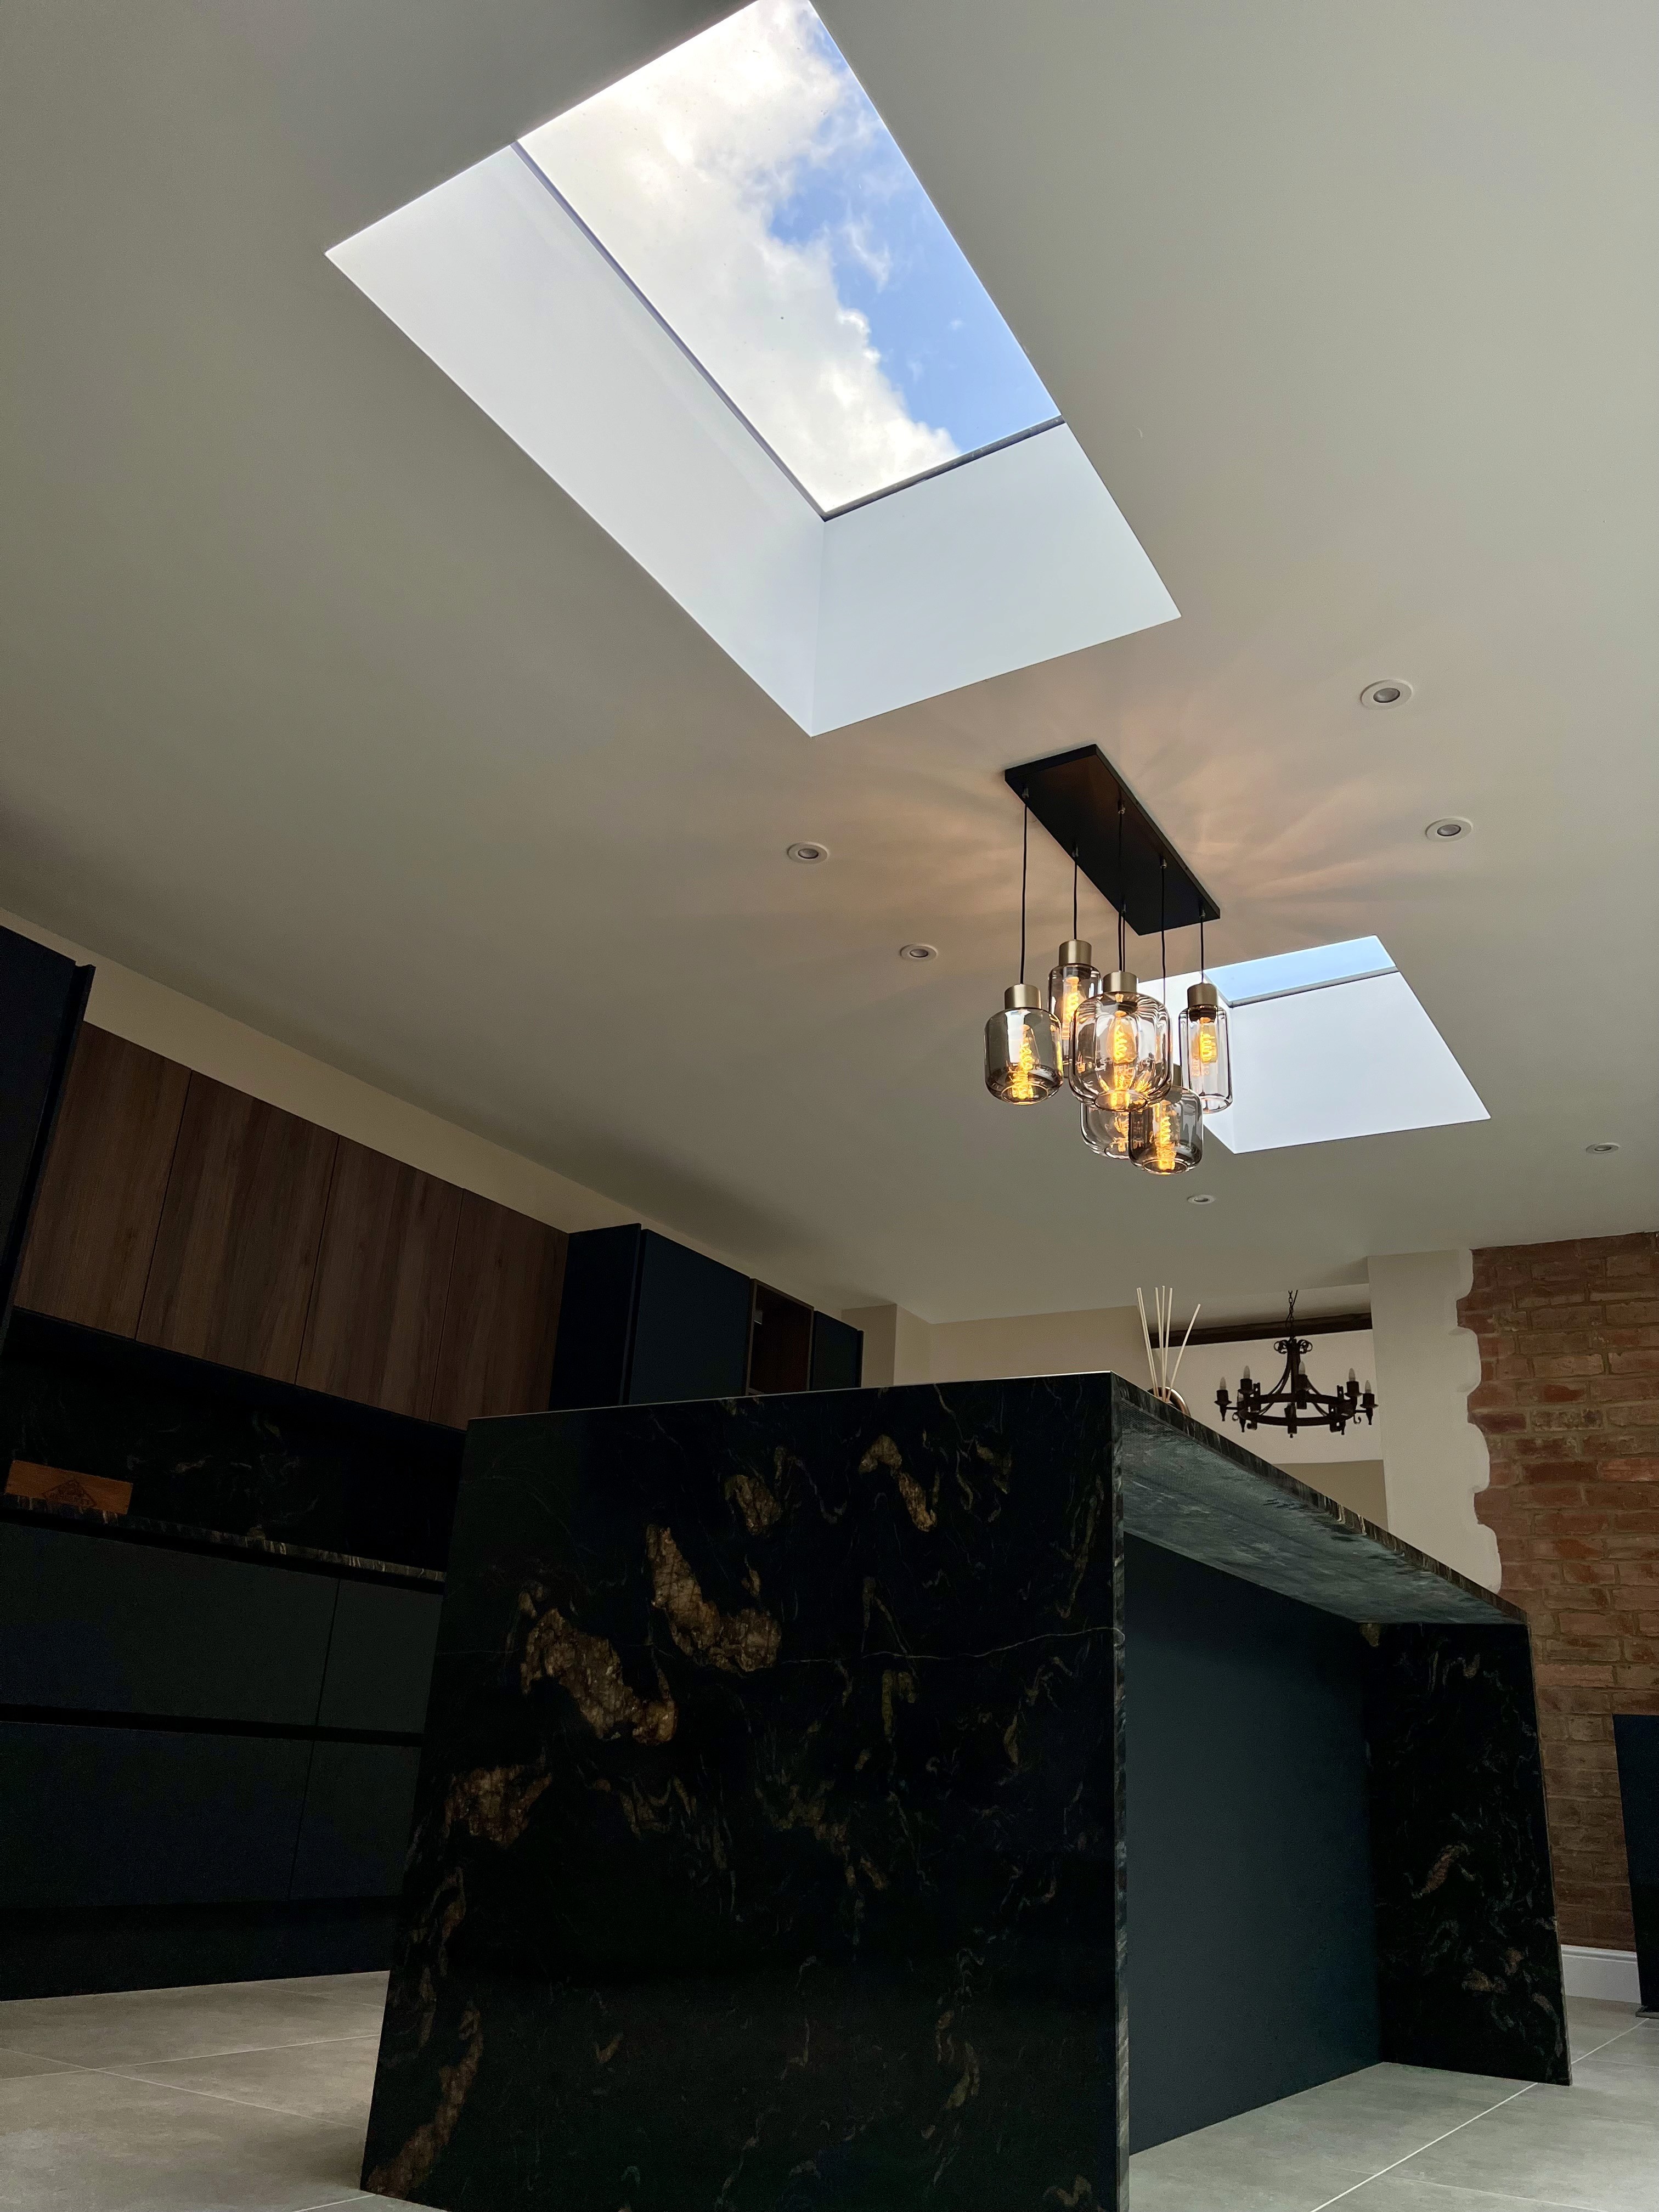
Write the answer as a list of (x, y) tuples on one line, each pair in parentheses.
[(1431, 1460), (198, 1036), (1434, 1459)]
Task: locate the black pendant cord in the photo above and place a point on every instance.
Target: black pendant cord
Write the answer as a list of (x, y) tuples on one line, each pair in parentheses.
[(1122, 949), (1025, 854), (1074, 894), (1162, 946), (1203, 971)]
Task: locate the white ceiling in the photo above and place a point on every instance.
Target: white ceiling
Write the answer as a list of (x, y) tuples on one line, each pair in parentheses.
[(322, 703)]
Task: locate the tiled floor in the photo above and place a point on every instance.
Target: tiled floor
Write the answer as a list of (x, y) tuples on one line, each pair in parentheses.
[(253, 2097)]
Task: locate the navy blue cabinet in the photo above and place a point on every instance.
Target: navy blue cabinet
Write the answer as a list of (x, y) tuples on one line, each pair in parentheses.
[(646, 1322), (183, 1729)]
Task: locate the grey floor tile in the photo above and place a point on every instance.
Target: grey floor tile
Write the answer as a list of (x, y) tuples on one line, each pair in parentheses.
[(1391, 2192), (1582, 2146), (1591, 2020), (74, 2142), (1295, 2154), (129, 2027), (1626, 2067), (332, 2081), (16, 2065)]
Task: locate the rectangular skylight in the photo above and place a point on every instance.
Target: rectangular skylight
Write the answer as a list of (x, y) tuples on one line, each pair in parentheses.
[(747, 188), (1327, 1043)]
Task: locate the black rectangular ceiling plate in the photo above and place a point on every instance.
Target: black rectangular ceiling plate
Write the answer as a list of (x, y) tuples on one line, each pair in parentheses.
[(1075, 797)]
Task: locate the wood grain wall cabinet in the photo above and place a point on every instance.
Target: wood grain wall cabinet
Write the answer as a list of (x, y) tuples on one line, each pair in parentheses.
[(241, 1225), (377, 1311), (99, 1208), (501, 1315), (781, 1342)]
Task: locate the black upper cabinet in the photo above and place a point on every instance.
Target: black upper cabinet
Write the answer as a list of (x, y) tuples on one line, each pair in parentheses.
[(42, 998), (596, 1318), (837, 1354), (690, 1327), (646, 1321)]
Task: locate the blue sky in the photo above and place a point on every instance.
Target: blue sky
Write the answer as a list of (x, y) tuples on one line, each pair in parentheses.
[(942, 341), (747, 185)]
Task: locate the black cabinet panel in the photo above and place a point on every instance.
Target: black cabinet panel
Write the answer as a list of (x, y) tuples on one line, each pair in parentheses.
[(113, 1628), (837, 1354), (42, 996), (98, 1816), (690, 1328), (1635, 1736), (359, 1807), (596, 1317), (379, 1660)]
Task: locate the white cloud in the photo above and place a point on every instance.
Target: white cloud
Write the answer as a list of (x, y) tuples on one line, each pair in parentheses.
[(680, 170)]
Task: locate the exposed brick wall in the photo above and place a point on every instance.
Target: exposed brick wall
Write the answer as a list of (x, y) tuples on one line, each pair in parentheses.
[(1569, 1405)]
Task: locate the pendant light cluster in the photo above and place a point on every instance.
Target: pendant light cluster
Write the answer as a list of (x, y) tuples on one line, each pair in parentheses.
[(1112, 1044)]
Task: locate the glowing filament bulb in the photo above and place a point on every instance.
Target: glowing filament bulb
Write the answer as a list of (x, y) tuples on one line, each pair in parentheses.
[(1165, 1135), (1071, 999), (1204, 1045), (1123, 1041), (1021, 1089)]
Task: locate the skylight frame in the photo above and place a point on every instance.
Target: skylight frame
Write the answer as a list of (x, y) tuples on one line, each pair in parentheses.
[(1322, 1086), (1055, 422)]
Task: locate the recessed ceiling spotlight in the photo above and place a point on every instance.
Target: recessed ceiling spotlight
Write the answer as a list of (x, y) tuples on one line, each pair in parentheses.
[(1448, 826), (918, 952), (1387, 693), (1202, 1198), (808, 854), (1601, 1148)]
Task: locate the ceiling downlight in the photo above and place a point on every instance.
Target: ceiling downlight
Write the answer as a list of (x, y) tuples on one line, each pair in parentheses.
[(807, 852), (1386, 691), (1446, 829)]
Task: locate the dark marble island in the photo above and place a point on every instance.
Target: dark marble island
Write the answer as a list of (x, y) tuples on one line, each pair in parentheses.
[(771, 1844)]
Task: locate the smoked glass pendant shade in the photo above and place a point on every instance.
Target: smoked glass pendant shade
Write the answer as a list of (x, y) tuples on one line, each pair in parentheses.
[(1022, 1048), (1166, 1135), (1121, 1056), (1205, 1048), (1072, 980), (1105, 1132)]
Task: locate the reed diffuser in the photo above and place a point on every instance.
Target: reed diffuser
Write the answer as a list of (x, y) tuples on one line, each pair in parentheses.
[(1155, 1336)]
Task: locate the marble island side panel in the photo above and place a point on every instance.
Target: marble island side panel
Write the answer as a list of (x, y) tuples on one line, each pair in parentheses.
[(768, 1849)]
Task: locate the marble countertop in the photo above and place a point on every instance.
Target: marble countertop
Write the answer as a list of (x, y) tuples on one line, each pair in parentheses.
[(1201, 1495), (135, 1529)]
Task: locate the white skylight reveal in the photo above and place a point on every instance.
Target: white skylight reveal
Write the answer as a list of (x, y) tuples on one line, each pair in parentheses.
[(746, 185), (1327, 1043), (715, 306)]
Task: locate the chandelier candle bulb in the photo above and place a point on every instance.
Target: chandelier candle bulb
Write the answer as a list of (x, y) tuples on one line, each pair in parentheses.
[(1205, 1048), (1022, 1048), (1072, 980)]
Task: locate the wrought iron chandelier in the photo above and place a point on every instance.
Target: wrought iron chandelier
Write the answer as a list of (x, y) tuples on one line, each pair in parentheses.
[(1295, 1402)]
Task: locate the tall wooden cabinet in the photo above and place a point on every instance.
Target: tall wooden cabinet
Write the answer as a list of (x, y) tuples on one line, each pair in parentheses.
[(184, 1213), (236, 1254)]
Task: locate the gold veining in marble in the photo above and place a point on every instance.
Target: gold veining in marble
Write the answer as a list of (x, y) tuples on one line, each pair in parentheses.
[(757, 1508), (402, 2174), (588, 1669), (494, 1802), (740, 1643), (921, 1509)]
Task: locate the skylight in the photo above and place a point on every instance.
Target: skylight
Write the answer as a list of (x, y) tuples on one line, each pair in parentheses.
[(747, 188), (772, 433), (1327, 1043)]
